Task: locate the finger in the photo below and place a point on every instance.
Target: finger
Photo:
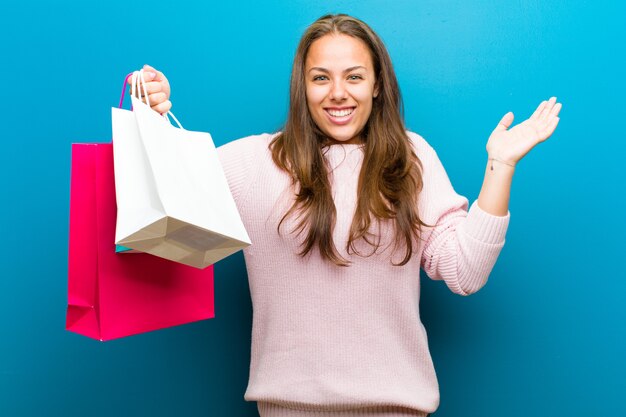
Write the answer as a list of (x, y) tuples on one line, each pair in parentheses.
[(556, 109), (151, 87), (549, 116), (163, 107), (505, 122), (553, 124), (149, 72), (540, 108), (547, 108), (157, 98), (158, 75), (148, 77)]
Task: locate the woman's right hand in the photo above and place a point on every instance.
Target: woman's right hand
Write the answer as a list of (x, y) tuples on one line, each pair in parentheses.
[(158, 90)]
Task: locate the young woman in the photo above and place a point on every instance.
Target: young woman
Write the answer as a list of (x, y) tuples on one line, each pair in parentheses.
[(343, 207)]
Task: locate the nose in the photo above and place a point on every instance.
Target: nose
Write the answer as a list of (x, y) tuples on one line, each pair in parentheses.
[(338, 91)]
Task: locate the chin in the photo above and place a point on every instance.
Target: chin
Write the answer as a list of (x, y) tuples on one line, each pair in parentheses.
[(343, 137)]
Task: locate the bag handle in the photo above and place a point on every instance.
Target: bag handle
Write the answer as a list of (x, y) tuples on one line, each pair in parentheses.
[(137, 77), (124, 91)]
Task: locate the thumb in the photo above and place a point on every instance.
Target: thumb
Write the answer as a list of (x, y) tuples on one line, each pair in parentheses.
[(151, 73), (505, 122)]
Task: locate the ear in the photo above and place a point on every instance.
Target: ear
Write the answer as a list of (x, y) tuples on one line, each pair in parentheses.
[(376, 89)]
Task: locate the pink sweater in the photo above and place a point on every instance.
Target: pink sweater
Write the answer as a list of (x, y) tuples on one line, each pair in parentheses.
[(348, 341)]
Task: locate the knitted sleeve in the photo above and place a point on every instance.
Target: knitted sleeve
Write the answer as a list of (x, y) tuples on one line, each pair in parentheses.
[(239, 164), (462, 246)]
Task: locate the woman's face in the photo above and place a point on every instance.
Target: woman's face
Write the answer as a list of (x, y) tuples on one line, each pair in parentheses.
[(340, 86)]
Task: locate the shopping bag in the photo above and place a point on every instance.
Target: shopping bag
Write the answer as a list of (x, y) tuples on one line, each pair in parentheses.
[(173, 199), (111, 295)]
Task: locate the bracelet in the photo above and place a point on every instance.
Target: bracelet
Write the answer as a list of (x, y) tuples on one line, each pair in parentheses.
[(499, 160)]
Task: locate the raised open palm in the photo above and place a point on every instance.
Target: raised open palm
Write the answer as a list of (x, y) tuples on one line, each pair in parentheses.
[(511, 145)]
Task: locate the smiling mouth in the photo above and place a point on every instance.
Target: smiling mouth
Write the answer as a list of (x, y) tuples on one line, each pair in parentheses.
[(340, 113)]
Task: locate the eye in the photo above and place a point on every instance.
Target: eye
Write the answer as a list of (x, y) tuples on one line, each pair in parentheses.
[(320, 78), (355, 77)]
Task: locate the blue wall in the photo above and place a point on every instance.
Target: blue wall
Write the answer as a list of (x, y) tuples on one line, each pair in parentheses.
[(545, 337)]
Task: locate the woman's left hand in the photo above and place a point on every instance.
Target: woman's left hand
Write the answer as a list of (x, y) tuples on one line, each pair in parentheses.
[(511, 145)]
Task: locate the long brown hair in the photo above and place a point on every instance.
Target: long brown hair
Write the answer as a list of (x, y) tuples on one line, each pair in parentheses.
[(391, 174)]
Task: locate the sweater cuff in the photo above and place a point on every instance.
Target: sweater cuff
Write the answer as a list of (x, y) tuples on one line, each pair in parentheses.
[(486, 227)]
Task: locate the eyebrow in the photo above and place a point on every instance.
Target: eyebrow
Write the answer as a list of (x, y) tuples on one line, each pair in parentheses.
[(346, 70)]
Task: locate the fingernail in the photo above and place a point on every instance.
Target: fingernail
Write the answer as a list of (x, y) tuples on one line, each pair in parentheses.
[(150, 74)]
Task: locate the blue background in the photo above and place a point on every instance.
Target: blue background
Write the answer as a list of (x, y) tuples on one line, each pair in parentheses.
[(545, 337)]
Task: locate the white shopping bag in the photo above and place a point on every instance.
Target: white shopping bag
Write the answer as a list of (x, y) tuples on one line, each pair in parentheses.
[(173, 200)]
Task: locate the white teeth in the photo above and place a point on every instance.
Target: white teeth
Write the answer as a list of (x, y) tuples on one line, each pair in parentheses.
[(339, 113)]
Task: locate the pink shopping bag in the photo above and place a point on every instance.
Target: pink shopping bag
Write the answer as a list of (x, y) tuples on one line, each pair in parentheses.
[(112, 295)]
